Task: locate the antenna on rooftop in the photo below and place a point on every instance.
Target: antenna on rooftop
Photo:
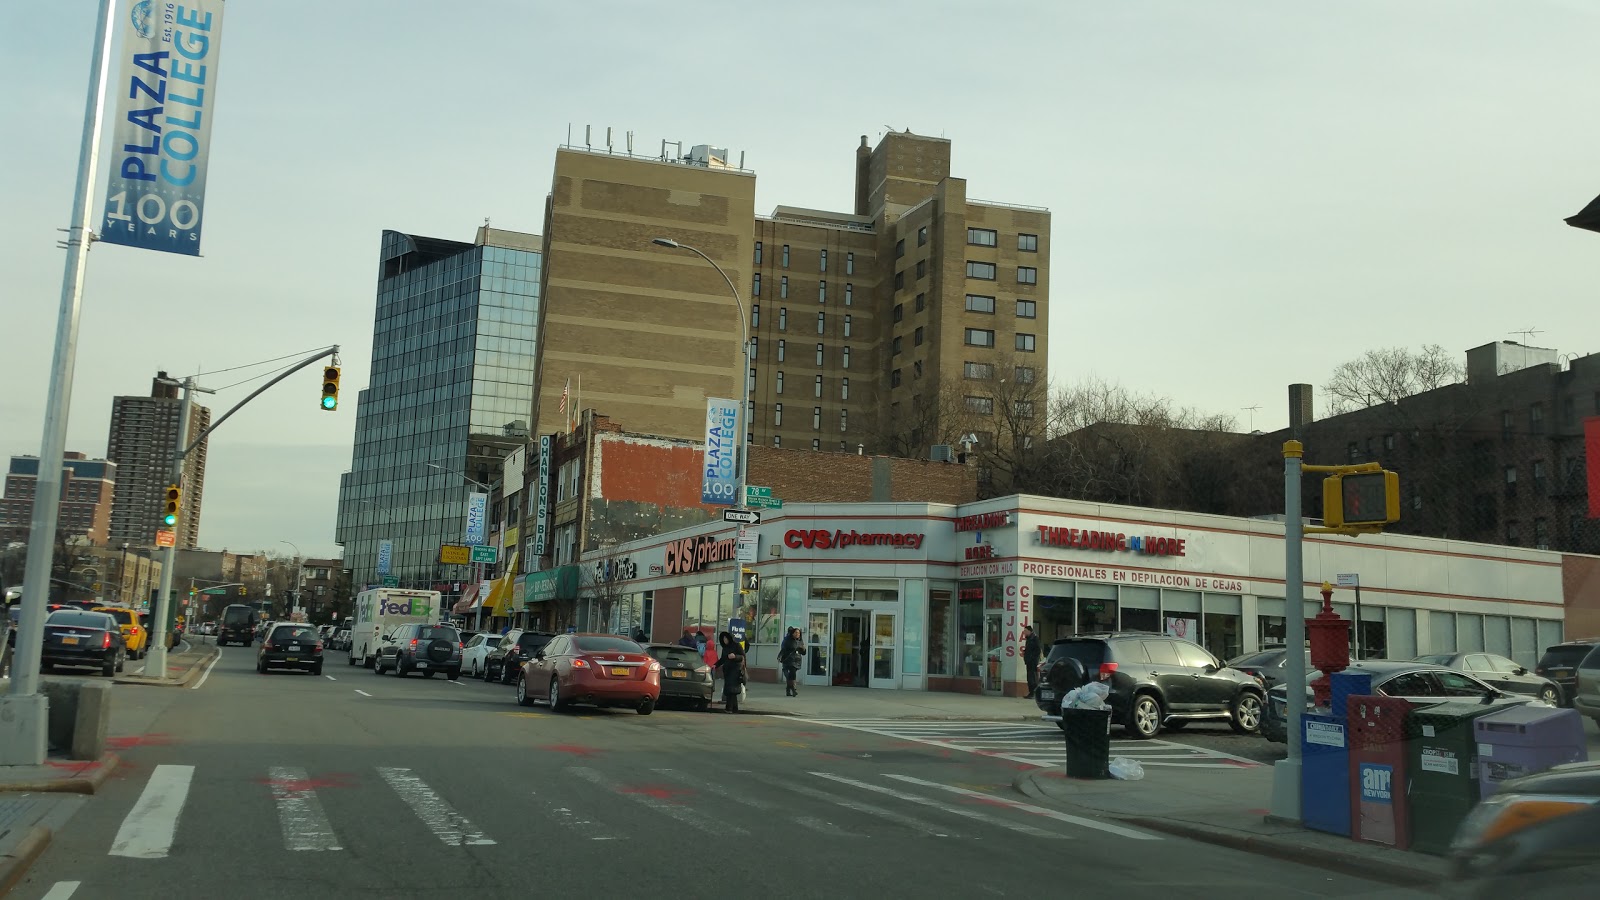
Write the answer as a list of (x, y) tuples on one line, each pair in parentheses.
[(1252, 411), (1527, 334)]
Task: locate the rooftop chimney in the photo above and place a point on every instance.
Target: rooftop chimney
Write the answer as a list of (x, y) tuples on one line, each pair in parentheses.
[(1300, 412), (863, 178)]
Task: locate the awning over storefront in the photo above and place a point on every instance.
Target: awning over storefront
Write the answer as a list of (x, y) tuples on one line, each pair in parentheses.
[(560, 583)]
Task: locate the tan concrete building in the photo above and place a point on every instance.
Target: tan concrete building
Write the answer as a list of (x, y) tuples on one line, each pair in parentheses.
[(143, 437)]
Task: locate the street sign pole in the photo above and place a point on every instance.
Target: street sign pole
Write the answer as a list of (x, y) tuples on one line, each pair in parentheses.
[(1286, 774)]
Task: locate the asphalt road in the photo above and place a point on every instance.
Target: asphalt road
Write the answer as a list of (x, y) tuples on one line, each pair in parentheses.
[(354, 785)]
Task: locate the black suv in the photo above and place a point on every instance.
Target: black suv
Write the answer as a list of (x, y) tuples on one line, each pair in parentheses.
[(1560, 664), (420, 648), (1156, 681), (517, 647), (238, 625)]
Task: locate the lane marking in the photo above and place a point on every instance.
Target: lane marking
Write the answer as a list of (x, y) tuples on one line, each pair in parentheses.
[(953, 810), (573, 819), (457, 682), (911, 822), (149, 827), (362, 693), (681, 814), (61, 890), (936, 734), (447, 825), (330, 678), (718, 790), (207, 673), (305, 826), (1030, 808)]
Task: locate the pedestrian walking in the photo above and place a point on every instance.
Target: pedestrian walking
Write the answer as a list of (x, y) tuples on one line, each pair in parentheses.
[(789, 655), (730, 659), (1030, 658)]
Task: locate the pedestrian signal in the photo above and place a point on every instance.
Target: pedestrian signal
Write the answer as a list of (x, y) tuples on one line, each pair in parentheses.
[(749, 581), (1361, 499)]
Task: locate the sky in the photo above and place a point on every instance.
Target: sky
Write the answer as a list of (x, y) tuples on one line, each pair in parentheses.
[(1243, 194)]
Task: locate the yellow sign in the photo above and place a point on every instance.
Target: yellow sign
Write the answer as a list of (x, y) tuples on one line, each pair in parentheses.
[(455, 555), (844, 642), (512, 534)]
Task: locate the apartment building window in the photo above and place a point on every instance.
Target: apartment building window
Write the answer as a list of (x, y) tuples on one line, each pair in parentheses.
[(1538, 476), (783, 287), (1388, 442), (786, 256), (755, 285), (980, 304), (1027, 275), (922, 302), (899, 280), (1513, 532), (843, 420), (981, 270), (1027, 309), (755, 344), (899, 248), (979, 337), (755, 315), (782, 345), (916, 337), (849, 266), (822, 292), (894, 378), (899, 311), (822, 323), (822, 260), (846, 326), (817, 390), (983, 237), (847, 357), (816, 422), (895, 345), (1511, 481), (849, 294), (750, 381), (1508, 423), (977, 371), (922, 235), (1022, 409), (844, 389), (1541, 534), (815, 443), (916, 369), (1536, 418), (777, 414), (1028, 243), (777, 441), (819, 356), (1569, 410), (783, 318), (1023, 374), (758, 253), (1025, 343), (983, 406), (778, 382), (922, 269)]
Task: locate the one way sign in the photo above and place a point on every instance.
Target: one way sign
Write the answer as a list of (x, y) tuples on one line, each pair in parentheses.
[(742, 516)]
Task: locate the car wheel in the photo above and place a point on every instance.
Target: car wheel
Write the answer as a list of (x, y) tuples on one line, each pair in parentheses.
[(317, 669), (555, 694), (1246, 713), (702, 705), (350, 659), (647, 707), (1550, 695), (377, 667), (122, 661), (522, 693), (399, 668), (109, 670), (455, 675), (1144, 720), (505, 674)]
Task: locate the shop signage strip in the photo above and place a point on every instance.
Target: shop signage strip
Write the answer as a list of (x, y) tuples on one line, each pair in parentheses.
[(542, 510)]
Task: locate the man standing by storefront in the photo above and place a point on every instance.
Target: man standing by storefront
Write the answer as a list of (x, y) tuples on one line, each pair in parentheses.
[(1030, 658)]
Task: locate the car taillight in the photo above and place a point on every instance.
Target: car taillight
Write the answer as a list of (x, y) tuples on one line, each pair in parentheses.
[(106, 644), (413, 643), (655, 666), (317, 648), (460, 645), (580, 663), (702, 670), (267, 645), (1107, 670)]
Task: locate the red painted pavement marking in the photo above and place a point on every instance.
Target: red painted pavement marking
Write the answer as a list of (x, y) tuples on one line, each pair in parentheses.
[(139, 740), (657, 791), (575, 749)]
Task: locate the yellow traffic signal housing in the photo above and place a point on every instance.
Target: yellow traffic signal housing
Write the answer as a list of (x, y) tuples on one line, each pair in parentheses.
[(1361, 499), (169, 516), (749, 581), (330, 388)]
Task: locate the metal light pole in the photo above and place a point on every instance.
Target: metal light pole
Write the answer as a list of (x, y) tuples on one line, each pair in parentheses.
[(300, 579), (1286, 774), (156, 661), (25, 712), (477, 567), (740, 421)]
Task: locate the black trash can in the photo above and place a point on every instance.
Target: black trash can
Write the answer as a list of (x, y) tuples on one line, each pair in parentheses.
[(1088, 734)]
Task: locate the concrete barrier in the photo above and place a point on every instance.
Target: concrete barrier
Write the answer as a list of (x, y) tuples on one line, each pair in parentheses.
[(80, 716)]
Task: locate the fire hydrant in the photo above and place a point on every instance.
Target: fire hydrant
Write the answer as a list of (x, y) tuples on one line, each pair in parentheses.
[(1330, 645)]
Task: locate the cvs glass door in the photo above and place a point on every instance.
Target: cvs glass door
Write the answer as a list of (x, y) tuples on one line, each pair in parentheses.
[(884, 673)]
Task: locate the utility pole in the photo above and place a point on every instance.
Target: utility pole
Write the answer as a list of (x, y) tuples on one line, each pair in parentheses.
[(157, 659)]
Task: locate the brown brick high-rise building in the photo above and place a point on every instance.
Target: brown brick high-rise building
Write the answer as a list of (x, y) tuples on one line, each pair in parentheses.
[(143, 437), (86, 492)]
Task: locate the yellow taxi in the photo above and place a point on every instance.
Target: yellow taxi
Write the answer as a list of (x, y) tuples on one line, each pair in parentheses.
[(133, 634)]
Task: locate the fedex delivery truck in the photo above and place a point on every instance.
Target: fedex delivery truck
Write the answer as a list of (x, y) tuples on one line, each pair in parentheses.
[(380, 610)]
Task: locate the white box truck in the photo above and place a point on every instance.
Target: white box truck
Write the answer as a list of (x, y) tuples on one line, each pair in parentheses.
[(380, 610)]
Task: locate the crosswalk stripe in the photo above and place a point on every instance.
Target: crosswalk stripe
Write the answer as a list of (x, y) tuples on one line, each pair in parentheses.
[(1030, 808), (954, 810), (449, 826), (911, 822), (718, 790), (305, 826), (149, 828), (671, 810)]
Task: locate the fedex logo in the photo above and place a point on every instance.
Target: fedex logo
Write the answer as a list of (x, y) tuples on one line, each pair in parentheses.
[(407, 607)]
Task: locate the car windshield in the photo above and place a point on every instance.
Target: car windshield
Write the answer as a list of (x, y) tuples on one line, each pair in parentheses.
[(1090, 653), (1565, 655), (293, 633), (438, 633), (234, 615), (603, 644), (74, 619), (675, 655)]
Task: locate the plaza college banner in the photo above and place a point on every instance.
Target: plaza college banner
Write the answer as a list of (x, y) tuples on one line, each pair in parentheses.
[(719, 480), (166, 92)]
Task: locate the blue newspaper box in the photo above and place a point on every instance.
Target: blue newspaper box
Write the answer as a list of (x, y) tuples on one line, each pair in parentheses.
[(1344, 685), (1325, 773)]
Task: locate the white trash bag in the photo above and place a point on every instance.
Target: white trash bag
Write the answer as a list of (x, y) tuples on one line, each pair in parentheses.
[(1125, 769), (1090, 696)]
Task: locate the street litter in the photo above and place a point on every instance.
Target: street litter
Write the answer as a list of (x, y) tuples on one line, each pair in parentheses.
[(1126, 769), (1090, 696)]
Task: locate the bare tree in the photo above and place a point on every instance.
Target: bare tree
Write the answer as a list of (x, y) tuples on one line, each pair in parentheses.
[(1389, 375)]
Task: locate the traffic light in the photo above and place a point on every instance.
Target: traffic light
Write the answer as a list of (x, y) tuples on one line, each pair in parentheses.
[(169, 517), (330, 388), (749, 581), (1361, 499), (243, 591)]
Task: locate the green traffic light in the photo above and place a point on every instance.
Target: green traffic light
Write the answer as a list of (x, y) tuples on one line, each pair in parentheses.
[(330, 402), (170, 519)]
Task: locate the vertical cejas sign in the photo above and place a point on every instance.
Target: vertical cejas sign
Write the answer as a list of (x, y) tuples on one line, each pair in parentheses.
[(719, 483), (385, 556), (542, 510), (161, 136), (477, 518)]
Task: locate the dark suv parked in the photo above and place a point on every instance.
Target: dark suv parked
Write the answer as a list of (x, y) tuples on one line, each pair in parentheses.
[(1156, 681), (517, 647), (420, 648), (1560, 664)]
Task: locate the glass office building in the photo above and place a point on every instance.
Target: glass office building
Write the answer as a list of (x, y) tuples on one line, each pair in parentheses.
[(454, 350)]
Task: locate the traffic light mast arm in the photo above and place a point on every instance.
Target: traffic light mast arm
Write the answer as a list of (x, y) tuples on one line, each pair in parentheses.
[(320, 355)]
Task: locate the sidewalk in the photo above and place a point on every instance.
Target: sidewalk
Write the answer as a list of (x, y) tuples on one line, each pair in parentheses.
[(27, 822), (864, 703), (1228, 807)]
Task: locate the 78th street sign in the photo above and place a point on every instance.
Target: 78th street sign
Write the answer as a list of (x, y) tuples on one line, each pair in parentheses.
[(742, 516)]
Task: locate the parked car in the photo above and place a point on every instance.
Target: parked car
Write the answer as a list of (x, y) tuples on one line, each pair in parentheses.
[(238, 625), (517, 647), (1156, 682), (1586, 697), (1505, 674), (601, 669), (1560, 664), (290, 645), (341, 638), (1271, 666), (133, 634), (1424, 684), (475, 652), (685, 675), (1534, 837), (416, 647), (208, 628), (79, 639)]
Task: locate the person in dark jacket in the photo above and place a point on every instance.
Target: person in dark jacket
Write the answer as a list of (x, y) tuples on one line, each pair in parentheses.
[(639, 637), (789, 654), (730, 659), (688, 640), (1030, 658)]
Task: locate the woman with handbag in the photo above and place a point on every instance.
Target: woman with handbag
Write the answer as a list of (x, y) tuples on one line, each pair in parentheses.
[(794, 647)]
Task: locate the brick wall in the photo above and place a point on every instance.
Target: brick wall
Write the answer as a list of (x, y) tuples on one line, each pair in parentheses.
[(811, 476)]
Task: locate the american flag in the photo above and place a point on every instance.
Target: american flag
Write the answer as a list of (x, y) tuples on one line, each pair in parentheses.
[(565, 391)]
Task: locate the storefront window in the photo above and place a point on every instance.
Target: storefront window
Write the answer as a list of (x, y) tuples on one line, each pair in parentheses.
[(1442, 628), (1497, 635), (831, 589), (1141, 609), (1524, 648), (691, 609), (769, 612), (725, 603), (970, 622), (941, 635), (1469, 632), (1180, 614), (817, 647), (1373, 643), (1097, 608), (1052, 614), (1401, 633), (1269, 624), (1223, 613), (913, 614), (994, 594), (877, 590)]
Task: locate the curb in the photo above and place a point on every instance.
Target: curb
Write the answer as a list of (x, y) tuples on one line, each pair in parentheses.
[(85, 784), (14, 865), (1320, 857), (180, 681)]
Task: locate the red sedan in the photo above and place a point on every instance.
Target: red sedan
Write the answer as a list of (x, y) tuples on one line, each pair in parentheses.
[(601, 669)]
